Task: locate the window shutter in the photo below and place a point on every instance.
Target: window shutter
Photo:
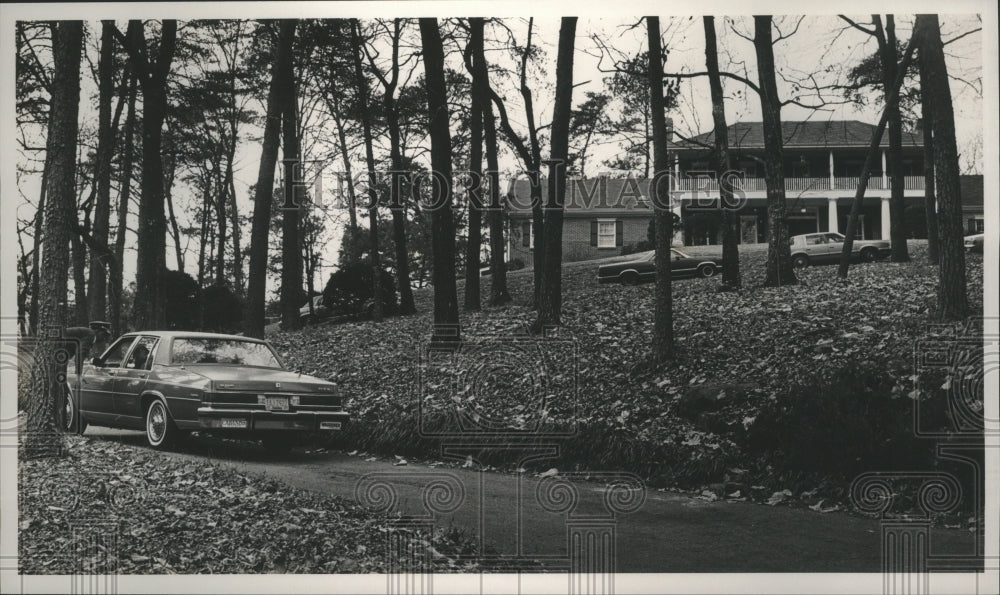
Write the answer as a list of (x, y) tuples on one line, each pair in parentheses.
[(526, 235), (593, 233), (619, 233)]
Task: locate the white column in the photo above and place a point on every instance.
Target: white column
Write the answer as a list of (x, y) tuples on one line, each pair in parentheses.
[(831, 208), (677, 172), (885, 183), (885, 218), (831, 173)]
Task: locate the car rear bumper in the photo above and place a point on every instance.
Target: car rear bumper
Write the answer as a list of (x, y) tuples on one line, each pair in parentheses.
[(255, 420)]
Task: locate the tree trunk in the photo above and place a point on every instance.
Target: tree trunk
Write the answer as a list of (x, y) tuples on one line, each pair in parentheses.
[(175, 230), (663, 316), (37, 252), (446, 324), (124, 198), (897, 222), (499, 295), (550, 295), (406, 303), (930, 200), (475, 196), (221, 223), (97, 288), (730, 225), (43, 435), (866, 170), (151, 259), (953, 300), (376, 261), (346, 158), (779, 255), (264, 189), (78, 253), (291, 245)]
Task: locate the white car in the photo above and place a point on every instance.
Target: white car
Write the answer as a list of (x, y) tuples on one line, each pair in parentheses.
[(813, 248), (318, 310)]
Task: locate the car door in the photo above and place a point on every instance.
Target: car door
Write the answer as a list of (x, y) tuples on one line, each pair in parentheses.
[(680, 266), (97, 385), (132, 379), (835, 246)]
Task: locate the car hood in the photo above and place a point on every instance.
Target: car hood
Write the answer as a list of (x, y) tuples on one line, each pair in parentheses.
[(250, 378)]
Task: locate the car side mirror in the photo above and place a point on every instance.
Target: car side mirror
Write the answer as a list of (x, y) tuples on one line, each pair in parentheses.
[(97, 362)]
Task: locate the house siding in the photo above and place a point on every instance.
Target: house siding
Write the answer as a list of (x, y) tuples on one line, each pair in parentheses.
[(577, 244)]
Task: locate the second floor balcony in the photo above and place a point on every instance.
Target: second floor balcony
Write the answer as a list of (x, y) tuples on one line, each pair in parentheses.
[(911, 184)]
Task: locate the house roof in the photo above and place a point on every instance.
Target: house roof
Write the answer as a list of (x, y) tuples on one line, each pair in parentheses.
[(831, 133)]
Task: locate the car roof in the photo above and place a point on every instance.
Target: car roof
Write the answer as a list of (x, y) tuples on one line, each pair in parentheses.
[(191, 335)]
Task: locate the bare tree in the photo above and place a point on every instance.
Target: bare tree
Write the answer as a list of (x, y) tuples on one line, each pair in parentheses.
[(473, 244), (43, 436), (291, 247), (264, 189), (446, 323), (779, 255), (663, 316), (550, 294), (151, 261), (953, 300), (124, 200), (362, 87), (730, 224)]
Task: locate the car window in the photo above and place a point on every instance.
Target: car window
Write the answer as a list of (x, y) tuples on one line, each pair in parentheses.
[(116, 353), (141, 357), (835, 238), (815, 240), (222, 351)]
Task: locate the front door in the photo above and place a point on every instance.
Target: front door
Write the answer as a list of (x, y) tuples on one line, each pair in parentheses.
[(97, 384), (131, 380)]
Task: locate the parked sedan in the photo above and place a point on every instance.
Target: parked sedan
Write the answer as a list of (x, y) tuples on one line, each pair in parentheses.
[(974, 243), (169, 383), (826, 247), (643, 268)]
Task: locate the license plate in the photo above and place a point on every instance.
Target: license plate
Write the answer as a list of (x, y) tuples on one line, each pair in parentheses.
[(276, 403), (329, 425), (233, 423)]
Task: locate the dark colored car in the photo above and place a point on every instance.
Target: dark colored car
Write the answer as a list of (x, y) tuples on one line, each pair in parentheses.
[(171, 382), (643, 268)]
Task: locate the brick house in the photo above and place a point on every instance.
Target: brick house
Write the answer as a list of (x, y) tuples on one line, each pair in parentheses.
[(822, 166)]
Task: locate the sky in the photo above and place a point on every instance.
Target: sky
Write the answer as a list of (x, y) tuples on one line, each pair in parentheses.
[(821, 44)]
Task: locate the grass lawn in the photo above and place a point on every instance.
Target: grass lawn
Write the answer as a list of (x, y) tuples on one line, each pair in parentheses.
[(751, 396)]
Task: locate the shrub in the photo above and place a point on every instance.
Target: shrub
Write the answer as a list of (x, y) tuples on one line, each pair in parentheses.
[(845, 421), (515, 265), (349, 291), (180, 301), (644, 246), (222, 309)]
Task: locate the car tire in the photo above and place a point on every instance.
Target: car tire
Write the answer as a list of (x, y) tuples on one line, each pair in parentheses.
[(279, 445), (629, 278), (71, 416), (869, 255), (307, 320), (161, 433), (706, 270), (800, 261)]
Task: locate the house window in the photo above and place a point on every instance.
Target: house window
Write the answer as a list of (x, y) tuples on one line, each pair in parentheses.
[(606, 235)]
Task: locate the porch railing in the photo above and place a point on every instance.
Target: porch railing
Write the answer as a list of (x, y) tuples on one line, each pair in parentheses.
[(706, 184)]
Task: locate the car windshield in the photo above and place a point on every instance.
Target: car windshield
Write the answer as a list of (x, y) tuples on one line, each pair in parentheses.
[(222, 351)]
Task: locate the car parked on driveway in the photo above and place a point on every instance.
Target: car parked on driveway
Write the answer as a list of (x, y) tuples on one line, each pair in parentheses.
[(974, 243), (171, 382), (319, 311), (826, 247), (643, 268)]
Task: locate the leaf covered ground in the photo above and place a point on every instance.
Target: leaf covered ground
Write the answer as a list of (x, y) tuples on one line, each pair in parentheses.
[(108, 507), (748, 363)]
